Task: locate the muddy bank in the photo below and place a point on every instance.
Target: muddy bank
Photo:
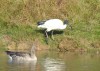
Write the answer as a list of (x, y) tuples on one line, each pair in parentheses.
[(64, 44), (81, 45)]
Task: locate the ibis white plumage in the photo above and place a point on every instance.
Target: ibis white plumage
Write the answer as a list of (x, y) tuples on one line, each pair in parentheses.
[(52, 24)]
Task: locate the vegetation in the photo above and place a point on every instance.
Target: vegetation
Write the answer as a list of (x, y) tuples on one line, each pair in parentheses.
[(18, 20)]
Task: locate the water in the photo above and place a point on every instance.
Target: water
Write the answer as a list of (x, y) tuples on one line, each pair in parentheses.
[(54, 61)]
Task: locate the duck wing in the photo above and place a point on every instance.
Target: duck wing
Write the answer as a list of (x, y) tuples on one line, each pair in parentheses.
[(12, 53)]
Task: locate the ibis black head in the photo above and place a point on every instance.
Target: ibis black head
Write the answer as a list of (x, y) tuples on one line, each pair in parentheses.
[(65, 21)]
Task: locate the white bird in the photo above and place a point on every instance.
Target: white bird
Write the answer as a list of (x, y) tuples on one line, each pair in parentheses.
[(22, 56), (52, 24)]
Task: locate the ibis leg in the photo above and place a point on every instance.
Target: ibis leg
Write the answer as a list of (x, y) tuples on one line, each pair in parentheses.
[(46, 34), (52, 35), (46, 37)]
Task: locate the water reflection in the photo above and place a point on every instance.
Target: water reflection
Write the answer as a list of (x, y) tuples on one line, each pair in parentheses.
[(22, 66), (53, 65), (54, 61), (22, 61)]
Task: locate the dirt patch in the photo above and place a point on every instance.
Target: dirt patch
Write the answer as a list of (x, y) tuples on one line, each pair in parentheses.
[(95, 44), (67, 44), (26, 45), (21, 45), (40, 46), (11, 45), (84, 43)]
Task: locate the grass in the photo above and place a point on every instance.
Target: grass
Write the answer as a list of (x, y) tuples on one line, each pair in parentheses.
[(18, 20)]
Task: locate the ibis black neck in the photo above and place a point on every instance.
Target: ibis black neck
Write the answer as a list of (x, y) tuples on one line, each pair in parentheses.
[(65, 21)]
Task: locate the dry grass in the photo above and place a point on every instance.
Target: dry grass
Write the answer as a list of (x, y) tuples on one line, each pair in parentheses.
[(28, 12)]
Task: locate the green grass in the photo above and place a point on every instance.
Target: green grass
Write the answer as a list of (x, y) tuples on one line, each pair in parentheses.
[(18, 19), (16, 31)]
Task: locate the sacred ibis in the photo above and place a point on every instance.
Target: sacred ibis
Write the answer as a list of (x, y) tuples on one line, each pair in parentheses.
[(52, 24)]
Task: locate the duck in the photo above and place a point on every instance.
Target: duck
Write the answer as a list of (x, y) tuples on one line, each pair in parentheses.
[(22, 56)]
